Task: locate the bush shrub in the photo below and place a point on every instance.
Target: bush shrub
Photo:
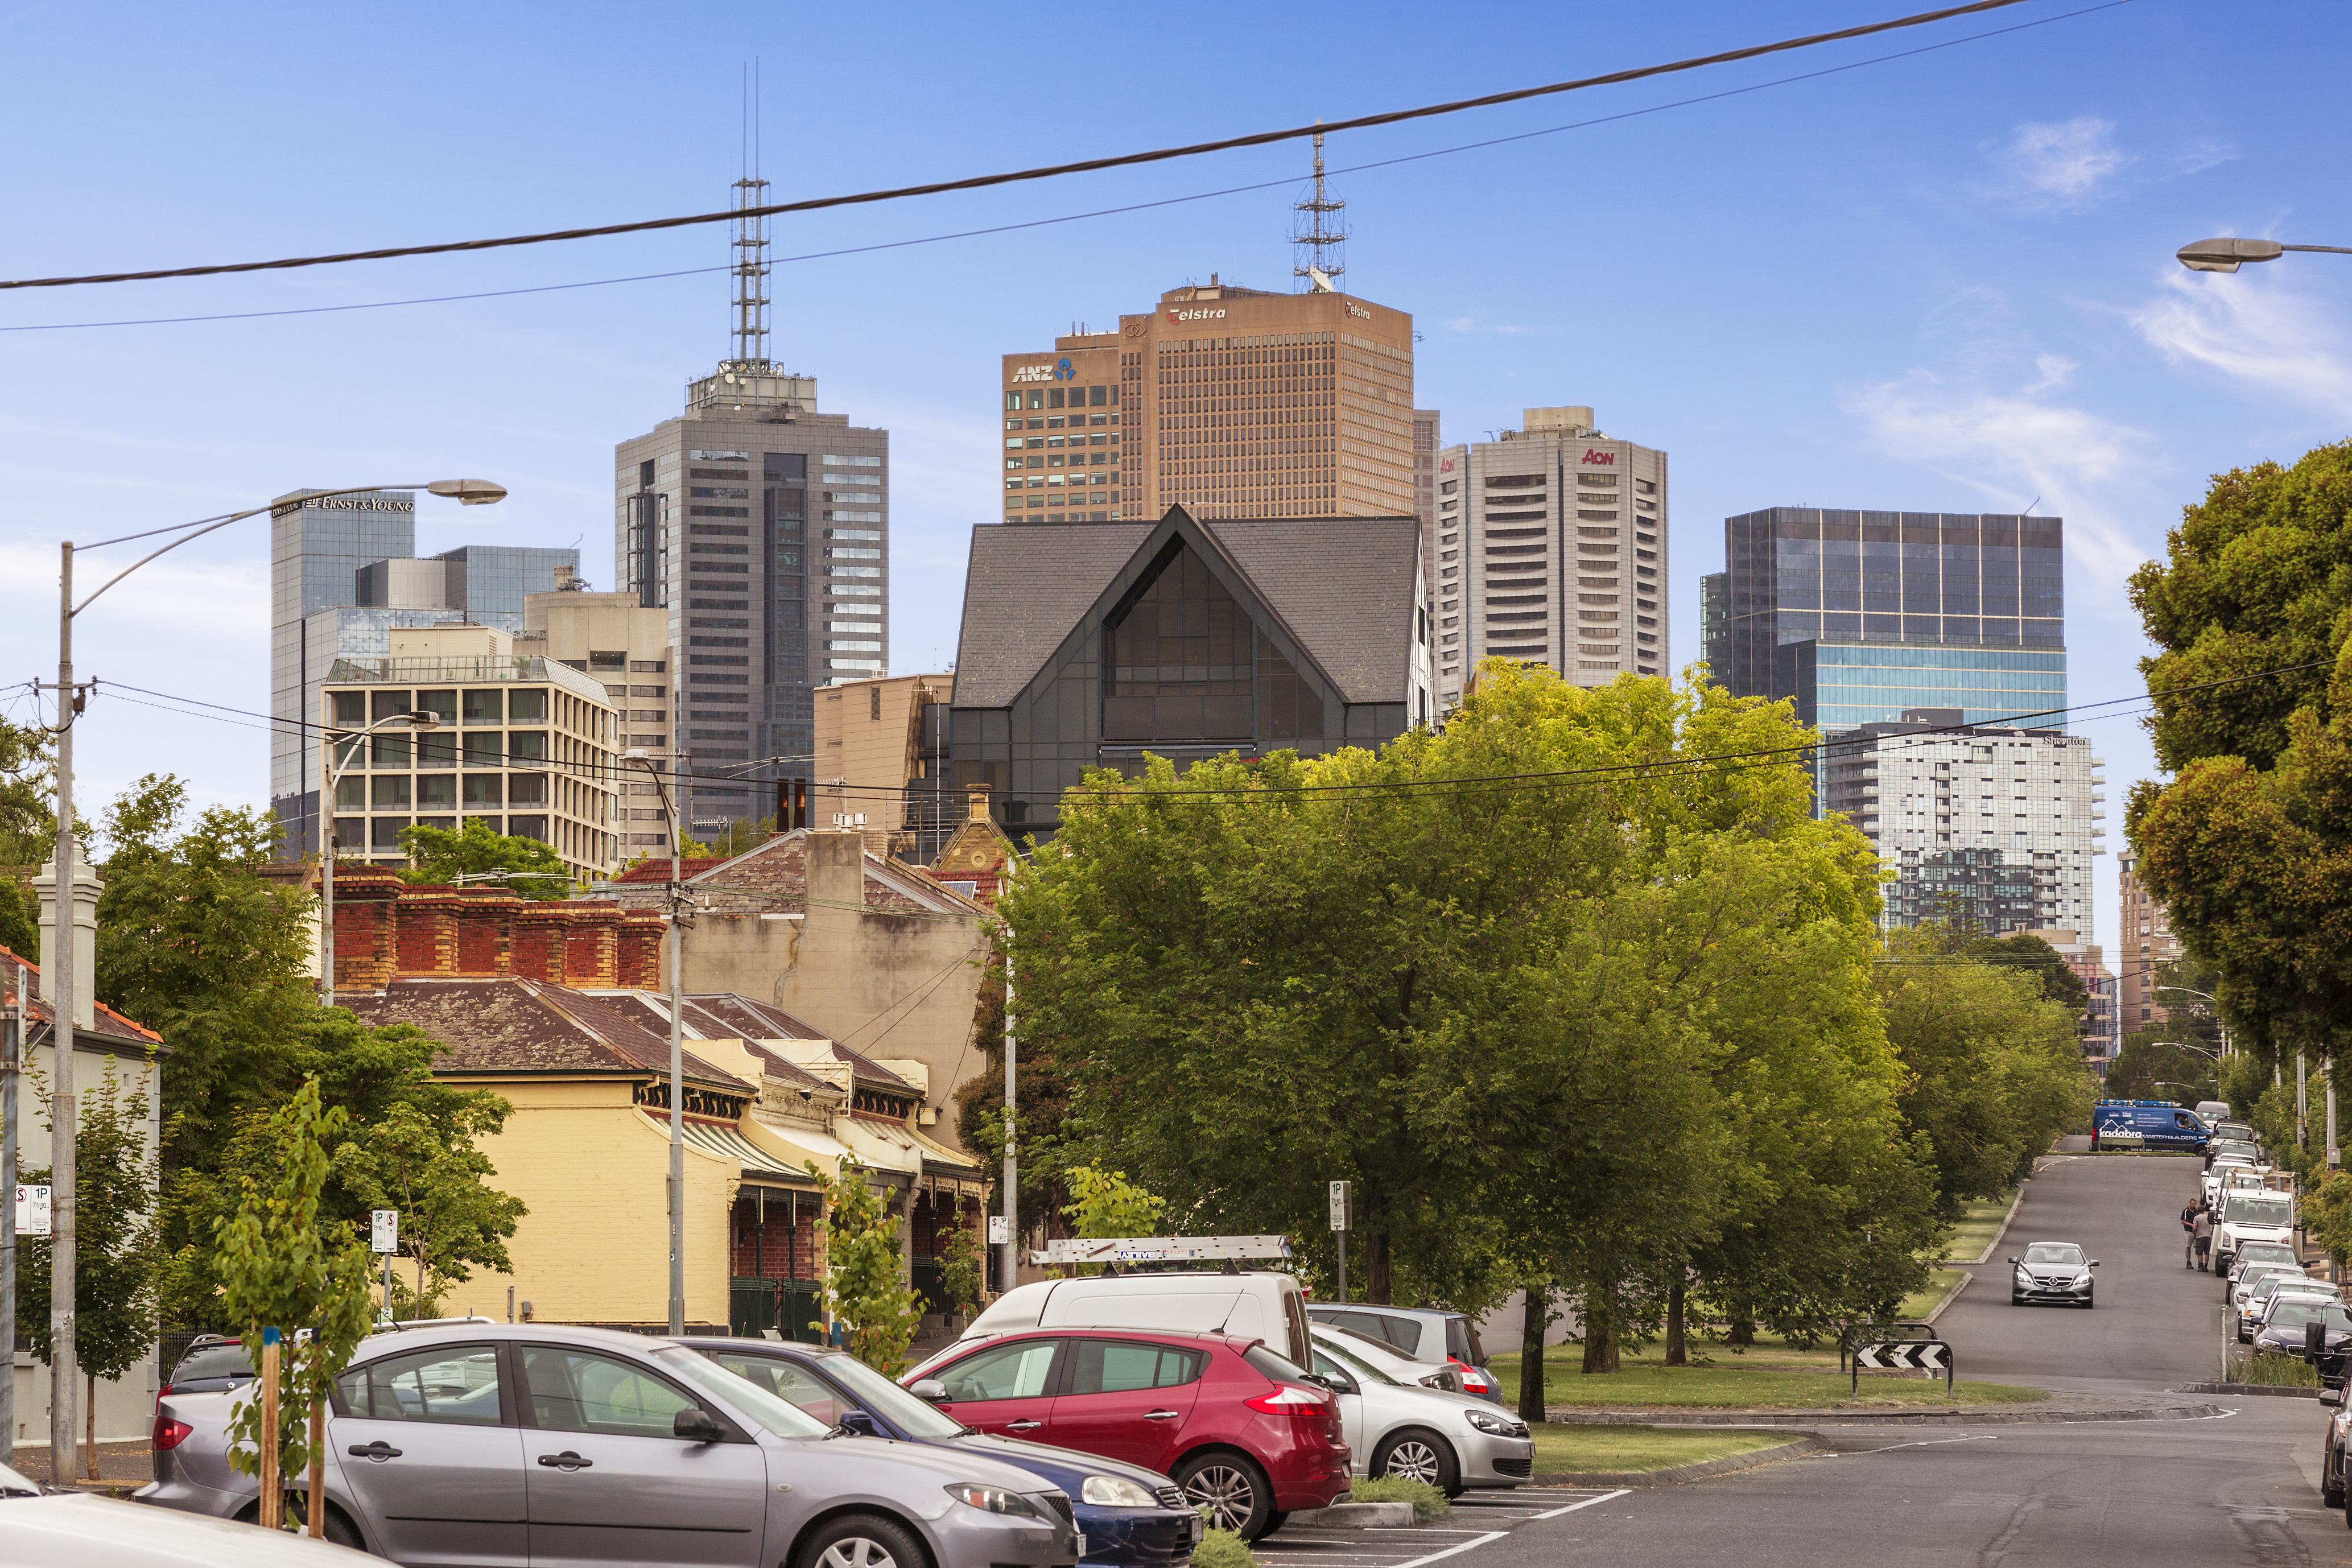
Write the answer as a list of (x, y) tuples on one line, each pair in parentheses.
[(1428, 1502), (2279, 1372), (1222, 1548)]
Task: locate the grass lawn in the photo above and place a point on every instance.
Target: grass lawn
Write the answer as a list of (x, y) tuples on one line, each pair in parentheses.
[(1941, 1282), (1977, 1224), (1740, 1383), (1568, 1451)]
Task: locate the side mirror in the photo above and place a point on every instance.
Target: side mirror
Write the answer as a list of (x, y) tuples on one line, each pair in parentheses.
[(2330, 1395), (860, 1422), (2094, 1263), (696, 1427), (929, 1388), (2010, 1260)]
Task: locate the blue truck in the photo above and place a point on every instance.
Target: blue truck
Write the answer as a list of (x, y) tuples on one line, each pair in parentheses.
[(2147, 1124)]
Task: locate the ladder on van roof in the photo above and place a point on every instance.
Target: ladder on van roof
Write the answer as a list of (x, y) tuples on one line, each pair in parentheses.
[(1161, 1249)]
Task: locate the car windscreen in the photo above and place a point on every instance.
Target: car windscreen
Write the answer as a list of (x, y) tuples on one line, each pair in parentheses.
[(2053, 1252), (214, 1360), (2257, 1211), (1360, 1370), (2294, 1314), (2233, 1129), (916, 1417), (2222, 1146), (778, 1415), (2267, 1252)]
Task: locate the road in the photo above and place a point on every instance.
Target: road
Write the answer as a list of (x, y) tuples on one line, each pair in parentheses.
[(2134, 1494)]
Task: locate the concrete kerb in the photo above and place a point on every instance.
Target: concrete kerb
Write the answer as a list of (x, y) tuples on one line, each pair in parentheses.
[(1805, 1442), (1889, 1416), (1352, 1516), (1986, 1255), (2268, 1390), (1953, 1294)]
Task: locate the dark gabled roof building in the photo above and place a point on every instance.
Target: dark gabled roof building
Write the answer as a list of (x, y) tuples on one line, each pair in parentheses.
[(1186, 638)]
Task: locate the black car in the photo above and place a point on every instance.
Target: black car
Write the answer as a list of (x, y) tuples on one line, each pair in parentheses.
[(2283, 1332), (1129, 1515), (210, 1365)]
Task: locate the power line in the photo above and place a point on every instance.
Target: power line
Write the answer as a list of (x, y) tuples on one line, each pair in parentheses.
[(980, 182), (1081, 217)]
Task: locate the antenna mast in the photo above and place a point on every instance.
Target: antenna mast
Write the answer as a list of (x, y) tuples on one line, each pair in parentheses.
[(1317, 242), (750, 241)]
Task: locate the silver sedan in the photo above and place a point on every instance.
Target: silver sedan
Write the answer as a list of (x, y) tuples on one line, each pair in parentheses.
[(532, 1446), (1453, 1441)]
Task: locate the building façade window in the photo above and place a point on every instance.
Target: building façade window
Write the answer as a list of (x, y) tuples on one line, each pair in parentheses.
[(1187, 664)]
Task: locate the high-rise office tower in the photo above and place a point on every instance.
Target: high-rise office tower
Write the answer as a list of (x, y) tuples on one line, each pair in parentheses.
[(1229, 402), (2147, 945), (1714, 625), (1861, 615), (761, 526), (1880, 624), (1550, 546), (1426, 439), (343, 573)]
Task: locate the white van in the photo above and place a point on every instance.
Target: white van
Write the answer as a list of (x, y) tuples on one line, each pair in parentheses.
[(1257, 1305)]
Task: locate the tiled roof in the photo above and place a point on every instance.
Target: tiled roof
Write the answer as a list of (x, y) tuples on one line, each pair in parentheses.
[(658, 870), (515, 1025), (107, 1024), (1343, 587), (772, 878)]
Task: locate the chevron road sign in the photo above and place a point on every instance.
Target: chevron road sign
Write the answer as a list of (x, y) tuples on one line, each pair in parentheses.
[(1904, 1355)]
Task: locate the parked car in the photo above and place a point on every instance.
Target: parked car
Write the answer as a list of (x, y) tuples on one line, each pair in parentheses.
[(2229, 1129), (2212, 1112), (2285, 1323), (1453, 1441), (2258, 1252), (2052, 1272), (1438, 1375), (1424, 1334), (2256, 1297), (1254, 1304), (2252, 1217), (508, 1444), (1128, 1514), (1246, 1433), (45, 1528)]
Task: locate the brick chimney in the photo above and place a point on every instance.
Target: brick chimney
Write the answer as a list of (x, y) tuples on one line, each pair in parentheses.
[(486, 930), (365, 898), (426, 937), (539, 940), (592, 946), (640, 948)]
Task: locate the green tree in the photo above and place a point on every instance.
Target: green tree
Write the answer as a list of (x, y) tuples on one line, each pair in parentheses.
[(2250, 845), (865, 1287), (1995, 1068), (437, 856), (961, 1274), (2060, 983), (27, 832), (118, 1262), (286, 1265), (1105, 1203), (742, 835)]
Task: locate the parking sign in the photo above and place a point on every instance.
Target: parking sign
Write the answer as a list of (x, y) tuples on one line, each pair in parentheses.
[(998, 1232), (32, 1211), (386, 1235), (1339, 1215)]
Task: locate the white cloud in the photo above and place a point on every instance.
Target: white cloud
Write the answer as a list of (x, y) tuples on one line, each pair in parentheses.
[(2057, 165), (2253, 330), (2056, 371), (2200, 153), (2012, 447)]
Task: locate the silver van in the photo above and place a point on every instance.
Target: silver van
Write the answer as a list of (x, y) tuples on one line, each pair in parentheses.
[(1257, 1304)]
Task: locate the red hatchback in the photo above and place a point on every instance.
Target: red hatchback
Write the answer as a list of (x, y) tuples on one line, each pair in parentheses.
[(1240, 1428)]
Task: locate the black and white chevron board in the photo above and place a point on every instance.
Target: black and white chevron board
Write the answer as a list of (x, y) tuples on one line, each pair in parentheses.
[(1904, 1355)]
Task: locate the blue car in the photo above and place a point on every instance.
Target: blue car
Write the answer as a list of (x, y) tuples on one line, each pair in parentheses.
[(1128, 1517)]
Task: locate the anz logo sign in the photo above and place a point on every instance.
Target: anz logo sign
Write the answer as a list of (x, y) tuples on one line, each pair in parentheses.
[(1060, 370)]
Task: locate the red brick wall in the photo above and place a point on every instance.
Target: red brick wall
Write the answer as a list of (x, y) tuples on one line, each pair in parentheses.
[(486, 930), (592, 945), (426, 938)]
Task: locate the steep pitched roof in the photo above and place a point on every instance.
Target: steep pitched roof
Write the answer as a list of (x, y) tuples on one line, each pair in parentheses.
[(515, 1025), (1342, 585), (107, 1024)]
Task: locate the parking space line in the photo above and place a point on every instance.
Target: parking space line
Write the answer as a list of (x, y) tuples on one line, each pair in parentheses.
[(1588, 1502), (1463, 1546)]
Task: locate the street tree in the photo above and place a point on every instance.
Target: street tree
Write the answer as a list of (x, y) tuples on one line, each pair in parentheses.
[(117, 1261), (2249, 846), (866, 1289), (286, 1265), (531, 869)]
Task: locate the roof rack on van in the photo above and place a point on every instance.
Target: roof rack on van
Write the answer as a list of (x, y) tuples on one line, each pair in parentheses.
[(1160, 1248)]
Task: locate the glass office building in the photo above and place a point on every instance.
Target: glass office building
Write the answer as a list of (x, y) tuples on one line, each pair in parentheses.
[(1840, 686)]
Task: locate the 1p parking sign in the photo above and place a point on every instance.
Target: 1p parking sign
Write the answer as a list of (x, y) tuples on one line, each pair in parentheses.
[(384, 1233), (32, 1211)]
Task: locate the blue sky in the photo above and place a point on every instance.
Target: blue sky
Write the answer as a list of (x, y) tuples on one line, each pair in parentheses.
[(1943, 282)]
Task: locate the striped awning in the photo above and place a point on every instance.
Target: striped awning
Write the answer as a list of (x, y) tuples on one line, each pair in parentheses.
[(737, 1151)]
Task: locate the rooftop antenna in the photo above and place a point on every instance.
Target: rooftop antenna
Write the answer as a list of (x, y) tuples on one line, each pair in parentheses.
[(750, 237), (1316, 245)]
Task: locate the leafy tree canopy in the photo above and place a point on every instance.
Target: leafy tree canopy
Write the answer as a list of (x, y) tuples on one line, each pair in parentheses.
[(437, 856)]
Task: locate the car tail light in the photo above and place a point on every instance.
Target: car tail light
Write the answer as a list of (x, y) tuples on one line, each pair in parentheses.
[(171, 1434), (1289, 1399), (162, 1394)]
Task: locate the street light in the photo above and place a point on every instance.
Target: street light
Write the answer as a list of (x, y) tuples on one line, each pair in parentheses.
[(639, 756), (327, 842), (65, 1426), (2227, 255)]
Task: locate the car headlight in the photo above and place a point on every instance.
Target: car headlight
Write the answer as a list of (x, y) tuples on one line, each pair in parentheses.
[(995, 1499), (1115, 1491), (1497, 1425)]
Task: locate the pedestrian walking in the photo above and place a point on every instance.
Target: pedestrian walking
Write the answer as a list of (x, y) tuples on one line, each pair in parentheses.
[(2189, 1236), (2202, 1238)]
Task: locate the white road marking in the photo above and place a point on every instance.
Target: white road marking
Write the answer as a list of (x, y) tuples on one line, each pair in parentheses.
[(1922, 1443), (1588, 1502), (1465, 1546)]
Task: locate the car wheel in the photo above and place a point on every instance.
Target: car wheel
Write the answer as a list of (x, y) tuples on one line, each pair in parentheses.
[(2089, 1300), (1234, 1489), (342, 1531), (1274, 1522), (2015, 1300), (1417, 1454), (859, 1541)]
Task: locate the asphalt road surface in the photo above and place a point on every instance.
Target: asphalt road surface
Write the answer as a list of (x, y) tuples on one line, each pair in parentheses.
[(2239, 1488)]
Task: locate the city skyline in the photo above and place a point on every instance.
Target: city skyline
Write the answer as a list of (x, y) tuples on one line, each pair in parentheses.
[(2002, 319)]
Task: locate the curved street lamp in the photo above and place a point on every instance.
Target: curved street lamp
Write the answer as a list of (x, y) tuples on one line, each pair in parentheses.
[(2228, 255), (327, 844), (65, 1424)]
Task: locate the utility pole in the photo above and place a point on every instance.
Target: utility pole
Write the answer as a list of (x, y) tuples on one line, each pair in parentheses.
[(1008, 1277), (65, 1372), (12, 1061)]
